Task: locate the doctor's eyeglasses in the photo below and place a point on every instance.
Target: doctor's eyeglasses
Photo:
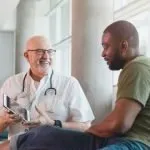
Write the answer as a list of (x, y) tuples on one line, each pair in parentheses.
[(43, 51)]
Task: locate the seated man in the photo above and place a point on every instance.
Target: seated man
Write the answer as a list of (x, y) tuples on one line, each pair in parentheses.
[(51, 98), (127, 127)]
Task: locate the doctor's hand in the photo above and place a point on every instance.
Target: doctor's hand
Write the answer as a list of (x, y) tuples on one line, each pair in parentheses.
[(44, 117), (11, 118), (31, 124)]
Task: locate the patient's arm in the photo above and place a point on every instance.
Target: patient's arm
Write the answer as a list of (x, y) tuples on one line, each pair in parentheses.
[(119, 121), (7, 119), (4, 145)]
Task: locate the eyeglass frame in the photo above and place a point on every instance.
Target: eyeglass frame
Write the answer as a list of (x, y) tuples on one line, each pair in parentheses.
[(49, 51)]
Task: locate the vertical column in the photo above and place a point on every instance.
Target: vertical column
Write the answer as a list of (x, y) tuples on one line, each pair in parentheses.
[(89, 18), (25, 26)]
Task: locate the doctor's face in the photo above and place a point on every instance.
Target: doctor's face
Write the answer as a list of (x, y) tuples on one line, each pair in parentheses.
[(39, 55)]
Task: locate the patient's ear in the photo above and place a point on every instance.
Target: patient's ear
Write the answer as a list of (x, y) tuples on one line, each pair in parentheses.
[(124, 44), (124, 47)]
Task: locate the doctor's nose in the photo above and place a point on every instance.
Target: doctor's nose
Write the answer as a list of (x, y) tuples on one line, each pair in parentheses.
[(45, 54)]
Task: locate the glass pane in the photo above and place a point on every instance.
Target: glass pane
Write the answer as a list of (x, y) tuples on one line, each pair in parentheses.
[(53, 3), (118, 4), (142, 23), (121, 3), (115, 77), (53, 28), (62, 62), (65, 16)]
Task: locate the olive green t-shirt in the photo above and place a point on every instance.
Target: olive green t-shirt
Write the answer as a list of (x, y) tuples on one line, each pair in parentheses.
[(134, 83)]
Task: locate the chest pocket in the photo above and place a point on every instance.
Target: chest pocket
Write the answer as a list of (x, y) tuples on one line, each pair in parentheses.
[(55, 106)]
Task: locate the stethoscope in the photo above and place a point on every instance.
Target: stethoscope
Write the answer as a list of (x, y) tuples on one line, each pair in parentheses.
[(48, 89)]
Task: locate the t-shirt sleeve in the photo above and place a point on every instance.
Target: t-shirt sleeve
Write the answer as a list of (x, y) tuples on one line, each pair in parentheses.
[(134, 83), (79, 107)]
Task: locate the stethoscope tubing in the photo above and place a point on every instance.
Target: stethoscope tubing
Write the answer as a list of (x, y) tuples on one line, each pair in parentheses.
[(45, 93)]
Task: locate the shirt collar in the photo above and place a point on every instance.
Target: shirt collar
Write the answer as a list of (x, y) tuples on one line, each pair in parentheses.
[(135, 59)]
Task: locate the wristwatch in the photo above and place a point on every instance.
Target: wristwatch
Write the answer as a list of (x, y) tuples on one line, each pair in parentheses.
[(58, 123)]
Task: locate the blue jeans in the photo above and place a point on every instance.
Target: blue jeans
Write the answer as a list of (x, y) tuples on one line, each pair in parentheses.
[(124, 144), (53, 138)]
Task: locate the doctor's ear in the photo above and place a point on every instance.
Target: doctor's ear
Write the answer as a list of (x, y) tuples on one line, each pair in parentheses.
[(26, 55)]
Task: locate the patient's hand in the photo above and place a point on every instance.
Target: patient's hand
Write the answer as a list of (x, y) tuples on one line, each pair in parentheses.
[(11, 118), (4, 145)]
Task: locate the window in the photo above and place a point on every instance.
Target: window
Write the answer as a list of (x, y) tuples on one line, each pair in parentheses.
[(142, 23), (65, 15), (53, 28), (137, 12), (63, 58), (60, 34), (54, 3), (118, 4)]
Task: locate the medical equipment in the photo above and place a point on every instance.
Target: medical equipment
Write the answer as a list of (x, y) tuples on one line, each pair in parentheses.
[(14, 108), (51, 88)]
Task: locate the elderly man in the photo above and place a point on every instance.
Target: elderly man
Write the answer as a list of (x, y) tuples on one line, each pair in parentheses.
[(127, 127), (51, 98)]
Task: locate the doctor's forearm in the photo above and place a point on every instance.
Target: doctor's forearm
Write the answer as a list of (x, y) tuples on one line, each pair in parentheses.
[(76, 125), (81, 126)]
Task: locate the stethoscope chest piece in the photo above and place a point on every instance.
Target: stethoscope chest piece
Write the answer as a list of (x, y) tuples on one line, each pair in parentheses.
[(51, 89)]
